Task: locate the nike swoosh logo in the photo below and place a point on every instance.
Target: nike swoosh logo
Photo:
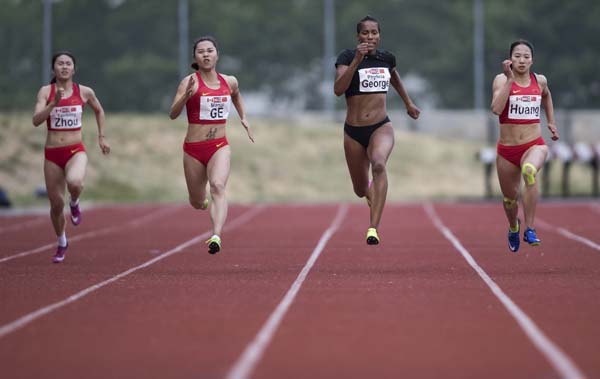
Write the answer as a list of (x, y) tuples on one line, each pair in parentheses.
[(517, 91), (204, 94), (220, 144), (74, 151)]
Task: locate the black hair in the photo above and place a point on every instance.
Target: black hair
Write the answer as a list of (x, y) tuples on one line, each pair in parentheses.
[(365, 19), (201, 39), (55, 57), (520, 42)]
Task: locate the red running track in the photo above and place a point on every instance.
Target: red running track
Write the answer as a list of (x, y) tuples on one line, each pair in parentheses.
[(296, 293)]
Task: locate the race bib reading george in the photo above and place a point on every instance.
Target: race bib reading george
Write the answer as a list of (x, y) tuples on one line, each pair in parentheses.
[(374, 79), (524, 107), (214, 107), (67, 117)]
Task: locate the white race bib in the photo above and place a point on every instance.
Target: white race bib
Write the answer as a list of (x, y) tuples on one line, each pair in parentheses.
[(214, 107), (374, 79), (524, 107), (67, 117)]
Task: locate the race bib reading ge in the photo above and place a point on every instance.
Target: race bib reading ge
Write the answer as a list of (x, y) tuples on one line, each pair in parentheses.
[(374, 79), (67, 117), (214, 107), (524, 107)]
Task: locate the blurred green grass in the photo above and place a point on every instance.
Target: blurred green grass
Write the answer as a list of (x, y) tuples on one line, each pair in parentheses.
[(291, 161)]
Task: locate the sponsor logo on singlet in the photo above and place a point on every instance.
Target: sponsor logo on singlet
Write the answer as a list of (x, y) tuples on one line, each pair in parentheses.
[(374, 79), (524, 107), (67, 117), (214, 107)]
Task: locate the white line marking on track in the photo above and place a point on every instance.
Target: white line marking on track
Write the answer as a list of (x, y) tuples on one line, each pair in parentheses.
[(30, 317), (555, 356), (245, 364), (95, 233), (568, 234)]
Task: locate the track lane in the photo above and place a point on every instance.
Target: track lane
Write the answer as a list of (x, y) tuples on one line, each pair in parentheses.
[(410, 307), (193, 312), (557, 284), (31, 282)]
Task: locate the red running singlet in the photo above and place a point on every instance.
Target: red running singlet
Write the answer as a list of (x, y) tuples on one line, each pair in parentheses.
[(523, 105), (207, 105), (66, 115)]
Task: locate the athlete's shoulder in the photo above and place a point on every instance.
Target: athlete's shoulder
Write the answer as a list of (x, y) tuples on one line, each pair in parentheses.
[(386, 56), (345, 57), (45, 89), (541, 79), (85, 91), (500, 78), (44, 92), (231, 81)]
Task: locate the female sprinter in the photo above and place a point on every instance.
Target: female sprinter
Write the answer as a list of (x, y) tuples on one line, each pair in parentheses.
[(207, 97), (364, 76), (517, 96), (61, 104)]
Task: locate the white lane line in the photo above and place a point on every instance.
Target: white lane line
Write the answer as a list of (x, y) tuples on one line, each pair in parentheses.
[(567, 233), (22, 224), (555, 356), (30, 317), (245, 364), (137, 221)]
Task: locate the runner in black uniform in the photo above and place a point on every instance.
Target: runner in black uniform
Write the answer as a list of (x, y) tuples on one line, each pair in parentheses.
[(364, 76)]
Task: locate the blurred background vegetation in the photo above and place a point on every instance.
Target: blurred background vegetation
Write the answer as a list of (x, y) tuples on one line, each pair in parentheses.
[(128, 52)]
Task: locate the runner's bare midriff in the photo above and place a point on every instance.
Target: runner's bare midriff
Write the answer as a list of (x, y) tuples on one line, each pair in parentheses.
[(63, 138), (366, 110), (518, 134), (204, 132)]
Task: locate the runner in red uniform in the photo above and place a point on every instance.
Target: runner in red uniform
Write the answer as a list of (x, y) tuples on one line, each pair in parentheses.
[(61, 105), (518, 95), (207, 97)]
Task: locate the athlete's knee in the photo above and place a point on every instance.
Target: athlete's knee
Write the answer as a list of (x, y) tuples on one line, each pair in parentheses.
[(529, 173), (56, 205), (509, 203), (378, 168), (217, 188), (75, 185)]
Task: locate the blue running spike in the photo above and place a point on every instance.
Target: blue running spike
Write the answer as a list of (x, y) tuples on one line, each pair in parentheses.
[(531, 238)]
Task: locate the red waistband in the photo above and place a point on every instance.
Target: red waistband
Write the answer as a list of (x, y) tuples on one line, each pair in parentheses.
[(537, 141), (205, 142), (79, 144)]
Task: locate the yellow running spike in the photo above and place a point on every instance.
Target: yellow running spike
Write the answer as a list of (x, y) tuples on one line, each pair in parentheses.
[(372, 237), (204, 204), (529, 174), (214, 244)]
